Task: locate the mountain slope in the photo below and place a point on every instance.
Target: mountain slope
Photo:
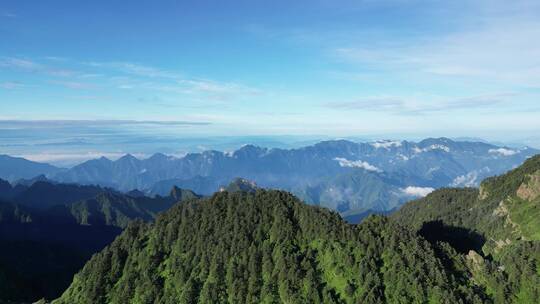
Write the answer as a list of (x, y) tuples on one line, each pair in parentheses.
[(354, 192), (501, 223), (112, 209), (39, 254), (44, 195), (268, 247), (505, 207), (49, 238)]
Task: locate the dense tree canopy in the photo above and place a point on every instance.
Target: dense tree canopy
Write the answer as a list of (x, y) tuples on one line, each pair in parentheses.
[(268, 247), (500, 222)]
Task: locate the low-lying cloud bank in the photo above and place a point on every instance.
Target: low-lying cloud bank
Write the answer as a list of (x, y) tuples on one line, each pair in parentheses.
[(503, 151)]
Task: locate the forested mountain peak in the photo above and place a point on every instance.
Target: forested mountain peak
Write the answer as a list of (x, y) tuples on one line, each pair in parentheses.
[(509, 183), (267, 247), (180, 194), (240, 185)]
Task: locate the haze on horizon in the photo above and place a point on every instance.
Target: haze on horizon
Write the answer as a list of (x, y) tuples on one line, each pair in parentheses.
[(79, 77)]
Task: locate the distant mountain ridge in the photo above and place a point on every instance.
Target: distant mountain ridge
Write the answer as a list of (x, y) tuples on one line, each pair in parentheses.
[(15, 168), (47, 202), (346, 176)]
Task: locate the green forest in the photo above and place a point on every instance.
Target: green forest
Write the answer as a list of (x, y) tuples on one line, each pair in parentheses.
[(266, 246)]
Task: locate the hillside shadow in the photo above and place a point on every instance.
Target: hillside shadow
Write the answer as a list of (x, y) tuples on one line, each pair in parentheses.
[(461, 239)]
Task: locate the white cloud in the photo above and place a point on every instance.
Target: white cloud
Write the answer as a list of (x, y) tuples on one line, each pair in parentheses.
[(386, 144), (417, 191), (343, 162), (503, 151), (432, 169), (431, 148), (403, 157), (439, 147), (468, 180), (471, 179)]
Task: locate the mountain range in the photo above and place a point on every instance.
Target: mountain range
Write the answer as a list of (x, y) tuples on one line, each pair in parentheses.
[(15, 168), (346, 176), (456, 245), (49, 230), (248, 244)]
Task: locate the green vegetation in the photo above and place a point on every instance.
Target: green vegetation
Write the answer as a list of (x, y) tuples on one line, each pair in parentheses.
[(505, 214), (269, 247), (43, 245), (118, 210), (249, 245)]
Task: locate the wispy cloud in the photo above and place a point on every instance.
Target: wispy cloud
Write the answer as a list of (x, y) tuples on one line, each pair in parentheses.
[(217, 90), (74, 85), (11, 85), (27, 65), (17, 124), (343, 162), (481, 42), (137, 69), (422, 104), (125, 76), (501, 47), (18, 63), (384, 103), (174, 81)]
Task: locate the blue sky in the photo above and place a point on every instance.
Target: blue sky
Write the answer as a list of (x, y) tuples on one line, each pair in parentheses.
[(388, 68)]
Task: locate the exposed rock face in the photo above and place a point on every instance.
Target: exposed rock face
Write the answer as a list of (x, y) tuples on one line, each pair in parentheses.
[(475, 259), (483, 193), (530, 190), (501, 210)]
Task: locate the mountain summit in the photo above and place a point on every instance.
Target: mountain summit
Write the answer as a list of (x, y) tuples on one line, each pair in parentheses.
[(266, 247)]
